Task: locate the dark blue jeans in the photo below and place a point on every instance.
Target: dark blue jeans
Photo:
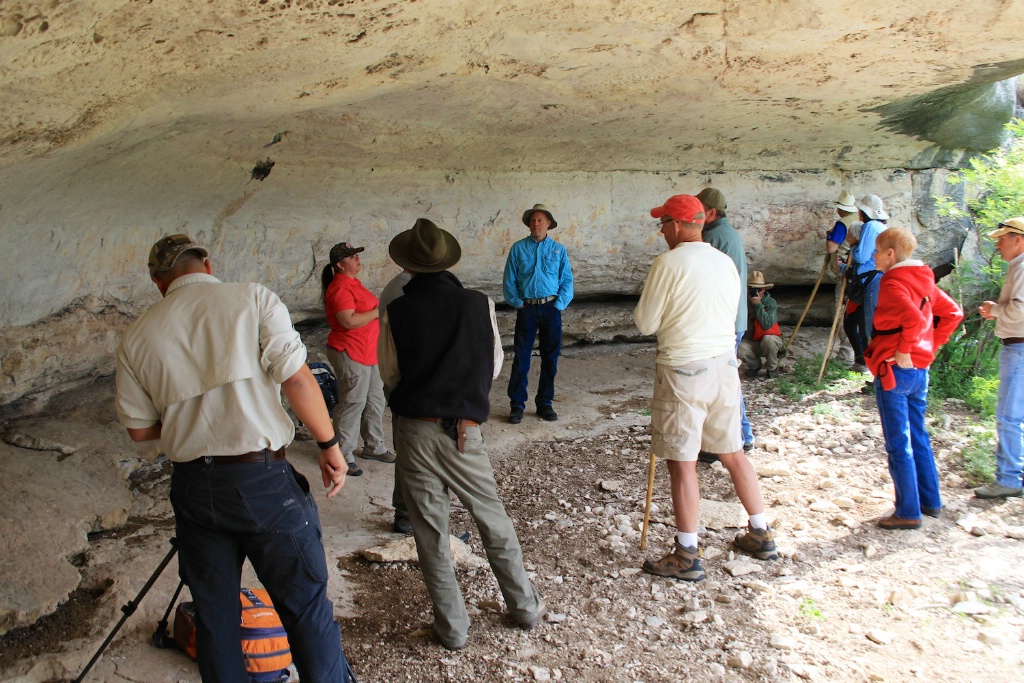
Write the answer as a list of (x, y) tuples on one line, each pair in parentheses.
[(533, 320), (226, 513), (911, 463)]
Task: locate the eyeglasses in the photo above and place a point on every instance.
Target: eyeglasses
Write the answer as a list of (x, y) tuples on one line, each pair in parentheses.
[(666, 222)]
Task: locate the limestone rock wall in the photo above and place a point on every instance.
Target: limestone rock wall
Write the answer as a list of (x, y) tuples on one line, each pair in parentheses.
[(73, 268)]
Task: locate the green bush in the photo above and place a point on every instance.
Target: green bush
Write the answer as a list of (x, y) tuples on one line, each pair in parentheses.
[(803, 380), (967, 366)]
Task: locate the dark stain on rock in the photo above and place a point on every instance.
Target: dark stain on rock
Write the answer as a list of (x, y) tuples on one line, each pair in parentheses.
[(262, 169), (779, 178)]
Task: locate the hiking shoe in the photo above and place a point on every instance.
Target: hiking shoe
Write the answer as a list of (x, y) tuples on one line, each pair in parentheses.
[(758, 542), (531, 624), (992, 491), (682, 563), (747, 447), (894, 523), (547, 413), (402, 526), (354, 470), (932, 512), (753, 372), (386, 456), (516, 416), (705, 457)]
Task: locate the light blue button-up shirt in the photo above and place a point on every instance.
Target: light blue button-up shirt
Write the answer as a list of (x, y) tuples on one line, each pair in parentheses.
[(864, 252), (535, 270)]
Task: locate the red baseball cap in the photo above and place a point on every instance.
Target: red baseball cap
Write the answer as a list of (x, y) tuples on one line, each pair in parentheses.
[(682, 207)]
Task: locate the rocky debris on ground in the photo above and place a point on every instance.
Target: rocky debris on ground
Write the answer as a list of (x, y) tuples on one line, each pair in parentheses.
[(404, 550)]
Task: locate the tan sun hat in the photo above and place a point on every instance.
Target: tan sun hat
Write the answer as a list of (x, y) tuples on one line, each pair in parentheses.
[(756, 281), (1010, 225), (846, 202), (528, 214)]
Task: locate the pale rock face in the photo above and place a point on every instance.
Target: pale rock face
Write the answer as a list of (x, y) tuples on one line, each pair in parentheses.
[(126, 121)]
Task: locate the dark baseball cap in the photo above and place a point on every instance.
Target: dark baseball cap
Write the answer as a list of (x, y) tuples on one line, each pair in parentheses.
[(344, 250)]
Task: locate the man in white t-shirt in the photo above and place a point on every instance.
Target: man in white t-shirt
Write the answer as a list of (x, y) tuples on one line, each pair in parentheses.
[(689, 301)]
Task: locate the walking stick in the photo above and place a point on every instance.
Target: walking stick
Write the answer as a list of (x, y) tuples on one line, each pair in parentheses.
[(835, 322), (647, 508), (129, 609), (814, 292)]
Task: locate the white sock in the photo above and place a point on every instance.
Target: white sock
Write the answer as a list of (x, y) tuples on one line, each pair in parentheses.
[(758, 521), (687, 540)]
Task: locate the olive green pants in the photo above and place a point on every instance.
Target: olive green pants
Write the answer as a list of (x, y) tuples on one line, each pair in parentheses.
[(430, 468)]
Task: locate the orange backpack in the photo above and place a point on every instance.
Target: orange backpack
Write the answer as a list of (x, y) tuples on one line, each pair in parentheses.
[(264, 641)]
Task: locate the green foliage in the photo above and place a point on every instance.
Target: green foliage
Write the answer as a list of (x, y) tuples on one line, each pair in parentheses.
[(979, 459), (967, 366), (809, 609), (802, 381)]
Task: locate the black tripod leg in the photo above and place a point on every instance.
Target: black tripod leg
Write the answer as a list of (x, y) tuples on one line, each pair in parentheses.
[(160, 637), (129, 609)]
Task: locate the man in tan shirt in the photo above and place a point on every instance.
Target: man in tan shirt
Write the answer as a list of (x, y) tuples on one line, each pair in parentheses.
[(202, 371), (1008, 313)]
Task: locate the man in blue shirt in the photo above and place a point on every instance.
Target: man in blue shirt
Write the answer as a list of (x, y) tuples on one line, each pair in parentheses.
[(538, 284)]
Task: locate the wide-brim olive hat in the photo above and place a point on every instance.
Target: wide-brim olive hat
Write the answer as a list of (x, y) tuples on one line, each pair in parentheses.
[(425, 248), (544, 210)]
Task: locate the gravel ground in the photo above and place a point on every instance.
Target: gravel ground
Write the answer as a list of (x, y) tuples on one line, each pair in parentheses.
[(847, 601)]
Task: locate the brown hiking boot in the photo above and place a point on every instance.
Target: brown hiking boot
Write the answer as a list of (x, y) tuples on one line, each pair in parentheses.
[(758, 542), (682, 563)]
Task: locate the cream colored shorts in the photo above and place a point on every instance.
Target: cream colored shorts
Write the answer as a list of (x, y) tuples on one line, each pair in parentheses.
[(696, 406)]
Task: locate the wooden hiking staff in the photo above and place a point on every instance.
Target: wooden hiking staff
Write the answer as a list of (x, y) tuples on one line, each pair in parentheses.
[(835, 320), (647, 507), (814, 292)]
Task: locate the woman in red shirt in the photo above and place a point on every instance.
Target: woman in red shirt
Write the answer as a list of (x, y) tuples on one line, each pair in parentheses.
[(352, 313)]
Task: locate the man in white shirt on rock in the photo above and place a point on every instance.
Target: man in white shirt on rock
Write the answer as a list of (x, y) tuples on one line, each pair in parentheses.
[(689, 302)]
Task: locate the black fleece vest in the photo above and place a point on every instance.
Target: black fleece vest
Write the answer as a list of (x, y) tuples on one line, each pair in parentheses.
[(445, 348)]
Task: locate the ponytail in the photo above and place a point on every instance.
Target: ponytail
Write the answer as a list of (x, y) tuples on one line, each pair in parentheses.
[(326, 277)]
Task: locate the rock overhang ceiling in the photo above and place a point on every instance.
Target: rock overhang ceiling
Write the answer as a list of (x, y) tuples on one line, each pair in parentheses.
[(123, 120), (541, 86)]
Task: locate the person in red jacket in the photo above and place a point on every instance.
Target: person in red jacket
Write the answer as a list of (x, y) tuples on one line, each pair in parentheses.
[(913, 319)]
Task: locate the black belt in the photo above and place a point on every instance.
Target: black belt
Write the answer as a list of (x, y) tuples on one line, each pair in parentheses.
[(543, 300), (266, 455), (1007, 341)]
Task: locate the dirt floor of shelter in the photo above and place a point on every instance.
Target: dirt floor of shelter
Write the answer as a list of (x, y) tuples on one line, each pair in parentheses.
[(847, 601)]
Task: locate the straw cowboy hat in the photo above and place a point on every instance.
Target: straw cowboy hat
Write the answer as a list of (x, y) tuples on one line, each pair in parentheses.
[(756, 281), (846, 202), (543, 209), (425, 248)]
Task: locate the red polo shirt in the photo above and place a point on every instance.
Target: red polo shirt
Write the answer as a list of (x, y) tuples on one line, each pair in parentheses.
[(347, 293)]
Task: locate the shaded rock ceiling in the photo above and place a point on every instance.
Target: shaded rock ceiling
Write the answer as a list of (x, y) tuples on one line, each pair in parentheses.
[(594, 85), (272, 129)]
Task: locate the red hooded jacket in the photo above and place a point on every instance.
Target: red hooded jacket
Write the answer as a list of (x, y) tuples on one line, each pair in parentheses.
[(913, 316)]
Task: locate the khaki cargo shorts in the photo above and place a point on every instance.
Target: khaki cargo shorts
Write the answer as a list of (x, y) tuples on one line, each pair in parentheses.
[(696, 406)]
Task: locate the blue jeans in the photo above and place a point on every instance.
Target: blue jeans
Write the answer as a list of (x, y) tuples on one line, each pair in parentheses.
[(745, 431), (911, 462), (1010, 416), (532, 320), (225, 513)]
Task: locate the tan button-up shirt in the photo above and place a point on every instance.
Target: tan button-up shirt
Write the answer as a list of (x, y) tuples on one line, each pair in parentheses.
[(207, 362), (1009, 311)]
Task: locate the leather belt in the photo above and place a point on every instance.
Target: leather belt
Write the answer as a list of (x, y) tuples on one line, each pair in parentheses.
[(469, 423), (253, 456), (538, 302), (1007, 341)]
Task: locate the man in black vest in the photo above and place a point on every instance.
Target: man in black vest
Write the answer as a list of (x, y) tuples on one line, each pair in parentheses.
[(439, 350)]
